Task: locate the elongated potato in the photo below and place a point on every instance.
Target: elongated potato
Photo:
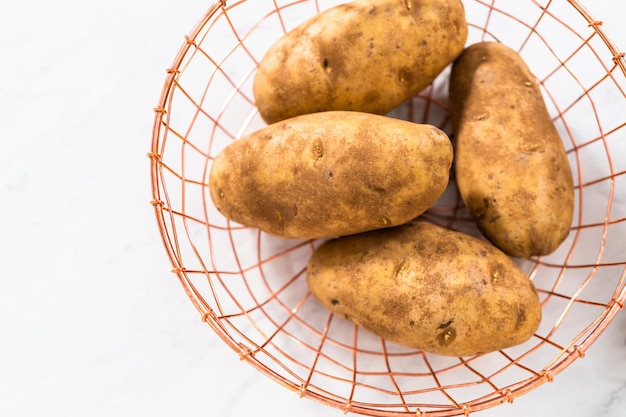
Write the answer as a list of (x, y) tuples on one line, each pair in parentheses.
[(365, 55), (511, 167), (426, 287), (331, 173)]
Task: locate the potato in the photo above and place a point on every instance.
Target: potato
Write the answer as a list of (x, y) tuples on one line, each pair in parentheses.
[(511, 167), (365, 55), (426, 287), (331, 173)]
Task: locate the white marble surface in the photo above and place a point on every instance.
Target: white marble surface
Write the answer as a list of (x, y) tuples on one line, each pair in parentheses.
[(92, 322)]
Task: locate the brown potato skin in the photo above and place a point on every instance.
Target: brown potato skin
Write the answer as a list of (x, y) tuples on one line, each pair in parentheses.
[(511, 167), (365, 55), (427, 287), (331, 173)]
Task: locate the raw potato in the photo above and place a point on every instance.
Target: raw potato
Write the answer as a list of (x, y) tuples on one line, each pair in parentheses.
[(331, 173), (427, 287), (365, 55), (511, 166)]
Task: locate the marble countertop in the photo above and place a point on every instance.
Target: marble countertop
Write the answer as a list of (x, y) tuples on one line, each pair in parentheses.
[(92, 321)]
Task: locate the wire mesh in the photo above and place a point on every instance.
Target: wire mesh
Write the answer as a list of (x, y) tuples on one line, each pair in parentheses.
[(250, 287)]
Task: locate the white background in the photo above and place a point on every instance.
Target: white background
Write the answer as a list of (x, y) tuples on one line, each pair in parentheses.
[(92, 323)]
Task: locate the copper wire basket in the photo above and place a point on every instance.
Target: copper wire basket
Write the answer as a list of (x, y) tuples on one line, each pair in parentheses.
[(250, 287)]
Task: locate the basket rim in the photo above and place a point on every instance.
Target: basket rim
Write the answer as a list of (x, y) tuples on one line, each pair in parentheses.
[(245, 354)]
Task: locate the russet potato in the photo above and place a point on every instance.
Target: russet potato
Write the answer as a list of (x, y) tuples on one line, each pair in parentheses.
[(332, 173), (364, 55), (426, 287), (511, 167)]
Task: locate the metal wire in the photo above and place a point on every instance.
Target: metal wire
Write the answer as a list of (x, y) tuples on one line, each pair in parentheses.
[(250, 288)]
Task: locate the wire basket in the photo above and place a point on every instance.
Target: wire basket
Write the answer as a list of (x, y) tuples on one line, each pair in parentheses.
[(250, 288)]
